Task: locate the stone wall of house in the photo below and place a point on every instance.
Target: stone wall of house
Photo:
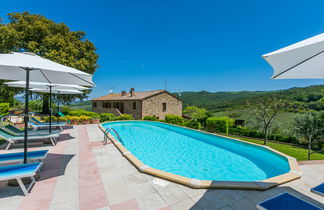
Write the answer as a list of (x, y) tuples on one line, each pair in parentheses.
[(128, 108), (154, 106), (100, 109)]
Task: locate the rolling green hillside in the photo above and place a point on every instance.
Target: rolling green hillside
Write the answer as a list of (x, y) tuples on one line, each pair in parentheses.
[(297, 99), (203, 98), (86, 105)]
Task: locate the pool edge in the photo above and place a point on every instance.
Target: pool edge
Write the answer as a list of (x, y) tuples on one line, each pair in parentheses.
[(294, 173)]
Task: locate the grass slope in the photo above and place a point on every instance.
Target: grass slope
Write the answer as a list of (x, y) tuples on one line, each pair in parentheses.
[(297, 152)]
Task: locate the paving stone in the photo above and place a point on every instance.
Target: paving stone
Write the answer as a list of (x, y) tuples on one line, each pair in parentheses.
[(130, 204), (151, 201), (243, 204), (183, 205), (173, 195)]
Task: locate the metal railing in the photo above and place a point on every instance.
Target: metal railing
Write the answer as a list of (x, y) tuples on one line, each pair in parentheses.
[(107, 131)]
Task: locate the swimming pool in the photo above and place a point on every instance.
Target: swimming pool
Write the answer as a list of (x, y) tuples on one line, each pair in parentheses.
[(198, 155)]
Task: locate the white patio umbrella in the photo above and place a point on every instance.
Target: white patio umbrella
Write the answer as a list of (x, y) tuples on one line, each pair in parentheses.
[(50, 87), (44, 85), (30, 67), (303, 60), (58, 92)]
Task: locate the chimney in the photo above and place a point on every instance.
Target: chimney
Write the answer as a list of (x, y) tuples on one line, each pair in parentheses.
[(123, 93), (132, 92)]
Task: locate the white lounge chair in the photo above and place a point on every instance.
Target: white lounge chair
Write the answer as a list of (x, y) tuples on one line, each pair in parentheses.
[(12, 139), (36, 126)]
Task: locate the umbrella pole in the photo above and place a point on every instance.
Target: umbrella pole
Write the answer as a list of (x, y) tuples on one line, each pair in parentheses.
[(50, 104), (26, 117), (58, 106)]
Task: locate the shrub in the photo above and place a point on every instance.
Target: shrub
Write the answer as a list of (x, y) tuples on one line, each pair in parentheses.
[(219, 124), (4, 108), (244, 131), (81, 112), (66, 109), (174, 119), (106, 117), (74, 118), (125, 117), (193, 124), (151, 118), (63, 119), (46, 119), (84, 118)]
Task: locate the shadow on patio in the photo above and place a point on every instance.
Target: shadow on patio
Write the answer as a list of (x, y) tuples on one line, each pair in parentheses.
[(54, 166), (245, 199)]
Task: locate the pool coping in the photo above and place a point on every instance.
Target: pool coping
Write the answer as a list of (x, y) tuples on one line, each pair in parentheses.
[(293, 174)]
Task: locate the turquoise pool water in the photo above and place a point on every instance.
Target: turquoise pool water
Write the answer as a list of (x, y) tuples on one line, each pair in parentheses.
[(197, 155)]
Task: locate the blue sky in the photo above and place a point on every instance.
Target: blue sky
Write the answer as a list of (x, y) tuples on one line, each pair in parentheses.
[(192, 44)]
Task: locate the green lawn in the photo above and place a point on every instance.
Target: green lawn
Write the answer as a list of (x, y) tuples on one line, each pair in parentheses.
[(297, 152)]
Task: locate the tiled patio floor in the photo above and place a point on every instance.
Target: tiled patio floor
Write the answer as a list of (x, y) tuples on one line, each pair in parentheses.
[(81, 173)]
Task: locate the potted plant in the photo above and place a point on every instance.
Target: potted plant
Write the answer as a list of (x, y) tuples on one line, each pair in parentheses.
[(85, 119), (95, 118), (75, 120)]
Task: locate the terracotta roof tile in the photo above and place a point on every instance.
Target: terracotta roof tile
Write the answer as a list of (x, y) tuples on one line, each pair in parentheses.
[(138, 96)]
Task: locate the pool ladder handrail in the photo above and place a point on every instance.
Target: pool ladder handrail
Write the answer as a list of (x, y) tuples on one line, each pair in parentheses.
[(107, 131)]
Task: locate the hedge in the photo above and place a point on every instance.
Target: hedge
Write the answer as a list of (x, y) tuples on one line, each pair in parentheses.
[(151, 118), (124, 117), (219, 124), (193, 124), (174, 119), (80, 112), (106, 117), (244, 131)]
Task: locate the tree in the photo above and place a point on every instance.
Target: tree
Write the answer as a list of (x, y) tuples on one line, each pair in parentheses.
[(196, 114), (54, 41), (311, 128), (7, 94), (265, 111)]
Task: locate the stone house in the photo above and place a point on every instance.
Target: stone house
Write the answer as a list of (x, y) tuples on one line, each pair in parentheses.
[(139, 104)]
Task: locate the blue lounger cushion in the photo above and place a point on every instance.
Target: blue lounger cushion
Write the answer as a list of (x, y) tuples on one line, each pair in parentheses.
[(18, 172), (319, 189), (286, 201), (19, 156)]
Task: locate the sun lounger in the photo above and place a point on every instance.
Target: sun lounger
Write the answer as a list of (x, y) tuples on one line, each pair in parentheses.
[(45, 123), (16, 131), (12, 139), (61, 114), (319, 189), (18, 157), (286, 201), (18, 172), (40, 126)]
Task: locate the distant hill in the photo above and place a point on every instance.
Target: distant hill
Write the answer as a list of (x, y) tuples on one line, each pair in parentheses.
[(297, 98), (203, 98), (86, 105)]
